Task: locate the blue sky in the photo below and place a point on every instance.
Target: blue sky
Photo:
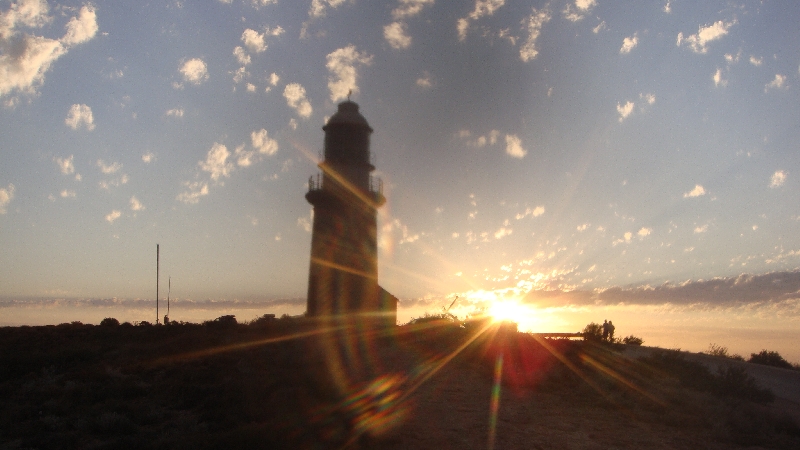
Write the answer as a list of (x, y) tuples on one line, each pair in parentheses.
[(565, 154)]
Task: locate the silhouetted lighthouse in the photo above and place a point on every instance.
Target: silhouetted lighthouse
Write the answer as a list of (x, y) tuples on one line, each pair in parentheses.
[(343, 277)]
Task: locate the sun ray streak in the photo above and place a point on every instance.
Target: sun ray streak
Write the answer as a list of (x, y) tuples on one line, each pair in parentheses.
[(494, 406), (606, 370)]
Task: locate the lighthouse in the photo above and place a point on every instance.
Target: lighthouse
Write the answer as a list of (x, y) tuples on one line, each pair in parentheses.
[(343, 273)]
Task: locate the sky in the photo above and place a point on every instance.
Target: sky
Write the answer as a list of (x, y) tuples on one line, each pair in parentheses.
[(571, 160)]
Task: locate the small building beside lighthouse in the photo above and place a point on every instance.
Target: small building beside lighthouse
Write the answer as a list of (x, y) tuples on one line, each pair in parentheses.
[(343, 274)]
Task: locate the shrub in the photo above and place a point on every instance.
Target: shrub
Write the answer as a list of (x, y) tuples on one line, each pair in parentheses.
[(109, 322), (593, 332), (632, 340), (769, 358)]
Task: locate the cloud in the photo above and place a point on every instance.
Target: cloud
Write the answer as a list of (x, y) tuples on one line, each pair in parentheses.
[(395, 35), (482, 8), (649, 98), (644, 232), (718, 80), (113, 215), (23, 69), (304, 223), (628, 44), (216, 162), (578, 10), (409, 8), (342, 67), (177, 112), (777, 83), (667, 8), (241, 55), (254, 41), (696, 192), (319, 7), (244, 158), (82, 28), (533, 24), (535, 212), (65, 165), (700, 229), (108, 168), (295, 95), (514, 146), (624, 110), (65, 193), (263, 143), (778, 178), (600, 27), (425, 80), (699, 42), (755, 61), (194, 191), (80, 115), (194, 71), (135, 204), (6, 195), (148, 157), (582, 227)]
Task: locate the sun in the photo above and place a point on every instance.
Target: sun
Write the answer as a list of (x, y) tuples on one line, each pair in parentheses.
[(507, 311)]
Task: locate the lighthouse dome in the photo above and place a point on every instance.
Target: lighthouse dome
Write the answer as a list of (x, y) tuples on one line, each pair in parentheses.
[(348, 115)]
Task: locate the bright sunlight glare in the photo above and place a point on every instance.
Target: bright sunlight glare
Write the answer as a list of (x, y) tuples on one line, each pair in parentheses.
[(508, 310)]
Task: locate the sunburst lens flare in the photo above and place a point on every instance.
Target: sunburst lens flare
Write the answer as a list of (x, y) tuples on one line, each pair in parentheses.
[(507, 311)]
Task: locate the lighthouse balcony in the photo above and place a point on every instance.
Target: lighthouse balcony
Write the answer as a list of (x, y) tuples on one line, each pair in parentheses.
[(316, 191)]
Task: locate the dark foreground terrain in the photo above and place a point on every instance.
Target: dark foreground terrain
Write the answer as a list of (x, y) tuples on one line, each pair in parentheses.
[(432, 384)]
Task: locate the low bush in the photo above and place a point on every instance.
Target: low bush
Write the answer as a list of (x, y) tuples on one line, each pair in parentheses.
[(109, 322), (769, 358), (632, 340)]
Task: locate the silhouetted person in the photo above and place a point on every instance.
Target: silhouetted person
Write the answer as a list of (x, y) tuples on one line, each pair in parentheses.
[(606, 329), (611, 331)]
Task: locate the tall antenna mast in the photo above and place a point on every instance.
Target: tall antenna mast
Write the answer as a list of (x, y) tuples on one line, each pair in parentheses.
[(157, 284), (169, 289)]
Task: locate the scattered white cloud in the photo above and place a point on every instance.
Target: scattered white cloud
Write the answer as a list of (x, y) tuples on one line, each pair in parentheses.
[(650, 99), (292, 123), (643, 232), (777, 83), (533, 24), (319, 7), (701, 229), (244, 158), (535, 212), (600, 27), (263, 143), (624, 110), (628, 44), (583, 227), (733, 59), (6, 195), (241, 55), (80, 115), (194, 71), (274, 78), (216, 162), (718, 80), (342, 64), (24, 65), (177, 112), (514, 146), (251, 87), (699, 42), (482, 8), (295, 95), (578, 10), (113, 215), (395, 35), (194, 190), (66, 165), (304, 223), (696, 192), (425, 80), (755, 61), (667, 8), (66, 193), (254, 41), (108, 168), (777, 179), (148, 157), (82, 28), (135, 204), (503, 232), (409, 8)]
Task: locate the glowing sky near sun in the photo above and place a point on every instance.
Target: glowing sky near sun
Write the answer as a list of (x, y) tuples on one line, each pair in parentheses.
[(562, 154)]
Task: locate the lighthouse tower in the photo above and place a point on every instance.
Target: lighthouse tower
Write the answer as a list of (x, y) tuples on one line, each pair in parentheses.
[(343, 277)]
